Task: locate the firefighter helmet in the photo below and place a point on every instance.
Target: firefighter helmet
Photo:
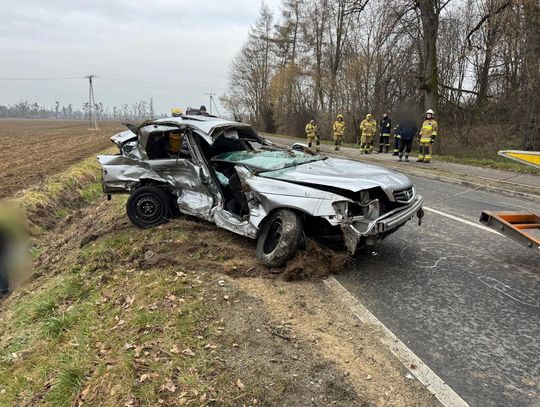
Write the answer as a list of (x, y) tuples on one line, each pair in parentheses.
[(429, 111), (176, 112)]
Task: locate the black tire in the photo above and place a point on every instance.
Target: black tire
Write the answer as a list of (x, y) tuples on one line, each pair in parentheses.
[(281, 236), (148, 206)]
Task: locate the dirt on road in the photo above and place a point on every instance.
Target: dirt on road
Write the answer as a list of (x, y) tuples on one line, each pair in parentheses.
[(33, 149)]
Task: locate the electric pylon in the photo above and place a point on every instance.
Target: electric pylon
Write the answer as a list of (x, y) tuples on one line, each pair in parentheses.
[(91, 103)]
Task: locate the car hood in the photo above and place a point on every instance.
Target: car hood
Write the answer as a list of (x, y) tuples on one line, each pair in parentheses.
[(343, 174)]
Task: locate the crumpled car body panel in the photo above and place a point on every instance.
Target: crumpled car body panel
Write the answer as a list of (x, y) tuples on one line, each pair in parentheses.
[(367, 202)]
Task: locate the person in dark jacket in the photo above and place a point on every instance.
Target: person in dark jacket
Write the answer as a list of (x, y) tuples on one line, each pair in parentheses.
[(404, 133), (385, 126)]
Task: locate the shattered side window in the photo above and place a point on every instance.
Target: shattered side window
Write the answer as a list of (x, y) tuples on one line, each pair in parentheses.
[(267, 160)]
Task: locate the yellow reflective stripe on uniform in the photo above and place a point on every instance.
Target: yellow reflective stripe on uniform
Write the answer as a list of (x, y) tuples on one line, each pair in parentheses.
[(425, 139)]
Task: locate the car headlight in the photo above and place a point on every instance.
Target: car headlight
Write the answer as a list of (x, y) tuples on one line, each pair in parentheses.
[(349, 209)]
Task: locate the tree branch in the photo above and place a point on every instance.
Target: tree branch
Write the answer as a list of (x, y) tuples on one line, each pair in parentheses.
[(357, 7), (486, 17), (458, 90)]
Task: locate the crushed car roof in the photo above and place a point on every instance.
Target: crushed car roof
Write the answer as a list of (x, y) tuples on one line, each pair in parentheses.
[(203, 123)]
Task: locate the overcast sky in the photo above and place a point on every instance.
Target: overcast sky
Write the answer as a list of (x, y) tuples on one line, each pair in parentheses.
[(171, 43)]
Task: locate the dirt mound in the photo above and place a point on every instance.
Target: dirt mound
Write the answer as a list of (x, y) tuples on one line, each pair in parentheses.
[(315, 262), (204, 246)]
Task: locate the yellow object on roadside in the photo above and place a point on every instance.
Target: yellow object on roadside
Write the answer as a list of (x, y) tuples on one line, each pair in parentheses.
[(524, 157)]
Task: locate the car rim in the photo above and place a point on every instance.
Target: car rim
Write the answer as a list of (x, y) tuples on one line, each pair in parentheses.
[(274, 236), (148, 208)]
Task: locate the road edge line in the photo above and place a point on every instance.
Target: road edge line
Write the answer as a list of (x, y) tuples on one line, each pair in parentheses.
[(465, 221), (433, 383)]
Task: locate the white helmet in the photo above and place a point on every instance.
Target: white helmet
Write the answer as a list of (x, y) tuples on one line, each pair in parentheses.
[(429, 111)]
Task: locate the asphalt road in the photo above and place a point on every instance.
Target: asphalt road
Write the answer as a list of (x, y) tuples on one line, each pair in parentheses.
[(465, 300)]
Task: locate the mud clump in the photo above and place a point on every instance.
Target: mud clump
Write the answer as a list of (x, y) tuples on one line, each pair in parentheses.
[(315, 262)]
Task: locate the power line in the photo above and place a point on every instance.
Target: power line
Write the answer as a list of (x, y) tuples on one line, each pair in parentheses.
[(42, 79), (114, 79), (160, 83)]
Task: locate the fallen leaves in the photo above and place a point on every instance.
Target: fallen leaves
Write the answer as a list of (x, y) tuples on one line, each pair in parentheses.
[(168, 386), (240, 385)]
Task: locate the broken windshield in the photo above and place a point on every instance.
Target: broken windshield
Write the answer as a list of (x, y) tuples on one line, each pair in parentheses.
[(267, 160)]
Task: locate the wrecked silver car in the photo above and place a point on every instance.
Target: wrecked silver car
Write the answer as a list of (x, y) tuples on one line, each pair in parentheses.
[(224, 172)]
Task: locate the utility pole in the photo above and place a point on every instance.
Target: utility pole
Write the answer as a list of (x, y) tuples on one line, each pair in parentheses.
[(212, 102), (91, 103), (151, 108)]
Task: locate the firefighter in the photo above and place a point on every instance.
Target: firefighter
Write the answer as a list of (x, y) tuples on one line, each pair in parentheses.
[(385, 125), (368, 128), (404, 133), (311, 134), (428, 132), (396, 143), (339, 130)]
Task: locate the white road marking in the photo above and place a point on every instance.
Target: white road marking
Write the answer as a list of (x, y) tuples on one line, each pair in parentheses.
[(413, 363), (465, 221)]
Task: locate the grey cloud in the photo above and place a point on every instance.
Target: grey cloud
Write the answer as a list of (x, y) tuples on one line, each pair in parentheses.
[(184, 42)]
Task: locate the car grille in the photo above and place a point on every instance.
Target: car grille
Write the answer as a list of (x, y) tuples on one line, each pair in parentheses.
[(404, 195)]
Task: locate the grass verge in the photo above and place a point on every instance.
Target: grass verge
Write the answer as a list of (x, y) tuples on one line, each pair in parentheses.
[(61, 194)]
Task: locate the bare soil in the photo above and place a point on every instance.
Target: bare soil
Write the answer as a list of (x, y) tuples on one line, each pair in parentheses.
[(33, 149)]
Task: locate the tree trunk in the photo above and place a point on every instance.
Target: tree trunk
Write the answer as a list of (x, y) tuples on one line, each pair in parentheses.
[(430, 31), (531, 80)]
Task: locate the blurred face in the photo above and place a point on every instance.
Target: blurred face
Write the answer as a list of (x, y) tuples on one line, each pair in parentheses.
[(385, 115), (429, 116), (340, 118), (312, 121)]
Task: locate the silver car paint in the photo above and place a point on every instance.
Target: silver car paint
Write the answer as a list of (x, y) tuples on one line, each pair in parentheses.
[(198, 194)]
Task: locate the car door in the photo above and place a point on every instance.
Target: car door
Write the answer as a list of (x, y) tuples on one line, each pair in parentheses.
[(184, 173)]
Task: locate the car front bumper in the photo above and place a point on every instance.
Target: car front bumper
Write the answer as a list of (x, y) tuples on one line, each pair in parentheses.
[(373, 229)]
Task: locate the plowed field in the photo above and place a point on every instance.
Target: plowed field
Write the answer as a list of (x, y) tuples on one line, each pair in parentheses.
[(33, 149)]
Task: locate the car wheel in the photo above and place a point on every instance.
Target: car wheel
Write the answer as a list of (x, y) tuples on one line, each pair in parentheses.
[(148, 206), (281, 236)]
